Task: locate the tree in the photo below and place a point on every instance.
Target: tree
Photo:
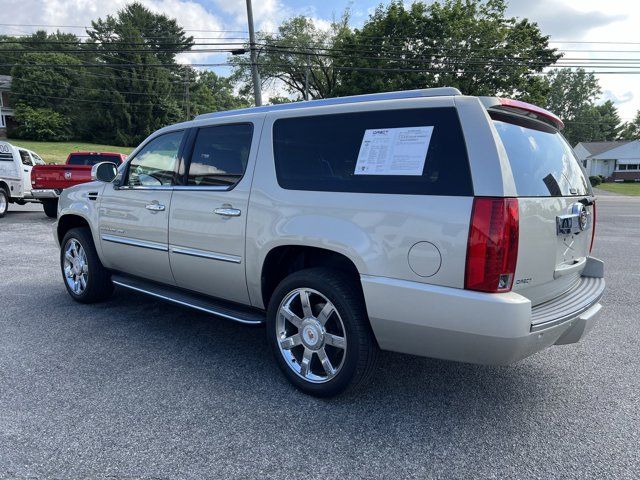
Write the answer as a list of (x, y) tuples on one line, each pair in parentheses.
[(631, 130), (142, 95), (470, 44), (212, 93), (572, 96), (300, 54)]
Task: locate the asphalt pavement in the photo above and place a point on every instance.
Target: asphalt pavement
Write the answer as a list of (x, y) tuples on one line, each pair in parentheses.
[(134, 388)]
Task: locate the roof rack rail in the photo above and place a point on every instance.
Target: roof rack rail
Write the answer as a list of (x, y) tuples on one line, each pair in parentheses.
[(370, 97)]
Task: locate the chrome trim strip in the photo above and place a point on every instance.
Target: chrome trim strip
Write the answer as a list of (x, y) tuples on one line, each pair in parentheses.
[(135, 243), (223, 257), (186, 304), (188, 188)]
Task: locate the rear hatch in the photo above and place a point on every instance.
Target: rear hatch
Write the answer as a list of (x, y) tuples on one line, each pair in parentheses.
[(556, 207)]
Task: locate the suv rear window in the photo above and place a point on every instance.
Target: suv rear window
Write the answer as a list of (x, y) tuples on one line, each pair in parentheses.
[(320, 153), (92, 159), (542, 162)]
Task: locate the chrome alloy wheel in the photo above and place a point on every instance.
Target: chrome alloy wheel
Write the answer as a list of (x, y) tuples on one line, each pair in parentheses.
[(76, 267), (3, 204), (311, 335)]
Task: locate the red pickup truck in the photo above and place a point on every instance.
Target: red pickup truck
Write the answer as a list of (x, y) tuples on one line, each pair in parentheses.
[(47, 181)]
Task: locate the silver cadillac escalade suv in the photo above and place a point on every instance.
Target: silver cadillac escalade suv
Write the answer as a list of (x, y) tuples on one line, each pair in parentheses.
[(423, 222)]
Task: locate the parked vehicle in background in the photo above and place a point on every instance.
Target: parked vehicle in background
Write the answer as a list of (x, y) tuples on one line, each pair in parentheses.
[(424, 222), (47, 181), (15, 175)]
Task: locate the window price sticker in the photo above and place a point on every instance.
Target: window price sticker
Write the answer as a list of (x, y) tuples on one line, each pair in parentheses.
[(393, 151)]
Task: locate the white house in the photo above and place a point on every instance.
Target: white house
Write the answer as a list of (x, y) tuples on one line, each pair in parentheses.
[(613, 160), (6, 112)]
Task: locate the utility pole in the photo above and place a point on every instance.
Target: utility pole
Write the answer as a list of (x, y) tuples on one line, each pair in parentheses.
[(186, 96), (254, 58)]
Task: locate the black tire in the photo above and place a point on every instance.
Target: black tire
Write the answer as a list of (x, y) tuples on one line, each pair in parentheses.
[(50, 207), (359, 358), (98, 284), (4, 201)]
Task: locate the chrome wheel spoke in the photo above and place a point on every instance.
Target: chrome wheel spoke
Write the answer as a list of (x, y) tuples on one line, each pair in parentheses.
[(305, 365), (325, 313), (291, 317), (290, 342), (306, 306), (326, 363), (335, 341), (68, 257)]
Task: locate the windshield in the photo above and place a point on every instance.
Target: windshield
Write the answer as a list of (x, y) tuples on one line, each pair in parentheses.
[(542, 162), (91, 159)]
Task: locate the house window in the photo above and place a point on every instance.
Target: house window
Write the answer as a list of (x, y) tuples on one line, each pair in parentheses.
[(632, 167), (622, 167), (2, 122)]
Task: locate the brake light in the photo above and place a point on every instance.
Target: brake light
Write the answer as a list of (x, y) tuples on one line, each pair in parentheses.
[(492, 247), (593, 227)]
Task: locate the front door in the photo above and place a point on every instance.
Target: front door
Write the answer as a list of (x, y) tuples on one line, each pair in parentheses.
[(209, 213), (134, 215)]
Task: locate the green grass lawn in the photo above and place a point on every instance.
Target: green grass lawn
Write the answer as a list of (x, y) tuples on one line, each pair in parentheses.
[(56, 152), (621, 188)]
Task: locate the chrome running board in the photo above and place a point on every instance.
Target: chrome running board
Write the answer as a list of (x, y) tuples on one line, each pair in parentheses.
[(197, 301)]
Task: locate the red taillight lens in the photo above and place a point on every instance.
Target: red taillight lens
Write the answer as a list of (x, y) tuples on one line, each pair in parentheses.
[(593, 227), (492, 248)]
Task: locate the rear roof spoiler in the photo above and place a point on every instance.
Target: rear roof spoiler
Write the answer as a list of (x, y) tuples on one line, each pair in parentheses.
[(522, 108)]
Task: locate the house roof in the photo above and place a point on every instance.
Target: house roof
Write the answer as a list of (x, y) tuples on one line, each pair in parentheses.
[(596, 148)]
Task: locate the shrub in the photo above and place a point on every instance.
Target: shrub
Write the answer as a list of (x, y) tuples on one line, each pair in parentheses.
[(42, 124), (595, 181)]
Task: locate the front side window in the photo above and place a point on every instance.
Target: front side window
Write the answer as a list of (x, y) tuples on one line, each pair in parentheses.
[(155, 164), (417, 151), (26, 159), (220, 155)]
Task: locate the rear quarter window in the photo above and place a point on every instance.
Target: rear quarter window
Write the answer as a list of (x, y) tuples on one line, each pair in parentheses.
[(320, 153), (542, 162)]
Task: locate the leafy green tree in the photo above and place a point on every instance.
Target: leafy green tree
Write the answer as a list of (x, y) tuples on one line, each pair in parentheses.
[(299, 54), (211, 93), (631, 130), (143, 87), (468, 44), (44, 124), (572, 96)]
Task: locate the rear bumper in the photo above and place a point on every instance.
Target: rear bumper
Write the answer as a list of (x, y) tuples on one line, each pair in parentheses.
[(45, 193), (474, 327)]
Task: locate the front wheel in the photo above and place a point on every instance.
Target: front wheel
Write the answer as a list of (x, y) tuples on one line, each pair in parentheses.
[(85, 277), (50, 207), (4, 202), (319, 332)]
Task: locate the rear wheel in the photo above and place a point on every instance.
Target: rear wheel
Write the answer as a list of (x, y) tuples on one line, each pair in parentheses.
[(4, 202), (319, 332), (50, 207), (85, 277)]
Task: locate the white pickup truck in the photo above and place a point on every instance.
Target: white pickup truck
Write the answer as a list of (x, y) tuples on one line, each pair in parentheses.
[(15, 175)]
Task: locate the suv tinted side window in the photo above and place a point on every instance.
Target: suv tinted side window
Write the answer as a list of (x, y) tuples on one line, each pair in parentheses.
[(320, 153), (155, 164), (220, 155)]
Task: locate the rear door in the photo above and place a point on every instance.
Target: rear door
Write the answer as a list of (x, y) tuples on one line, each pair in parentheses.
[(555, 206), (209, 212), (27, 165)]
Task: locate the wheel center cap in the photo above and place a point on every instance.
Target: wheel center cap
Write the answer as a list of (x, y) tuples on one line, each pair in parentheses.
[(312, 334)]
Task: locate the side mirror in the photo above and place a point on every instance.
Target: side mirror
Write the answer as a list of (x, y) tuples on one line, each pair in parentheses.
[(104, 172)]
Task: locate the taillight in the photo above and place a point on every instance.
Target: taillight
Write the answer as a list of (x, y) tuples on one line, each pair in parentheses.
[(492, 248), (593, 227)]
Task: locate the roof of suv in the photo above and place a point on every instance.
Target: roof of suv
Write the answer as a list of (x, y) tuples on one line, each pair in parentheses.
[(426, 92)]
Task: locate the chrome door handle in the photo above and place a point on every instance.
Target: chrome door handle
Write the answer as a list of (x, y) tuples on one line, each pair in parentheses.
[(155, 207), (227, 212)]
